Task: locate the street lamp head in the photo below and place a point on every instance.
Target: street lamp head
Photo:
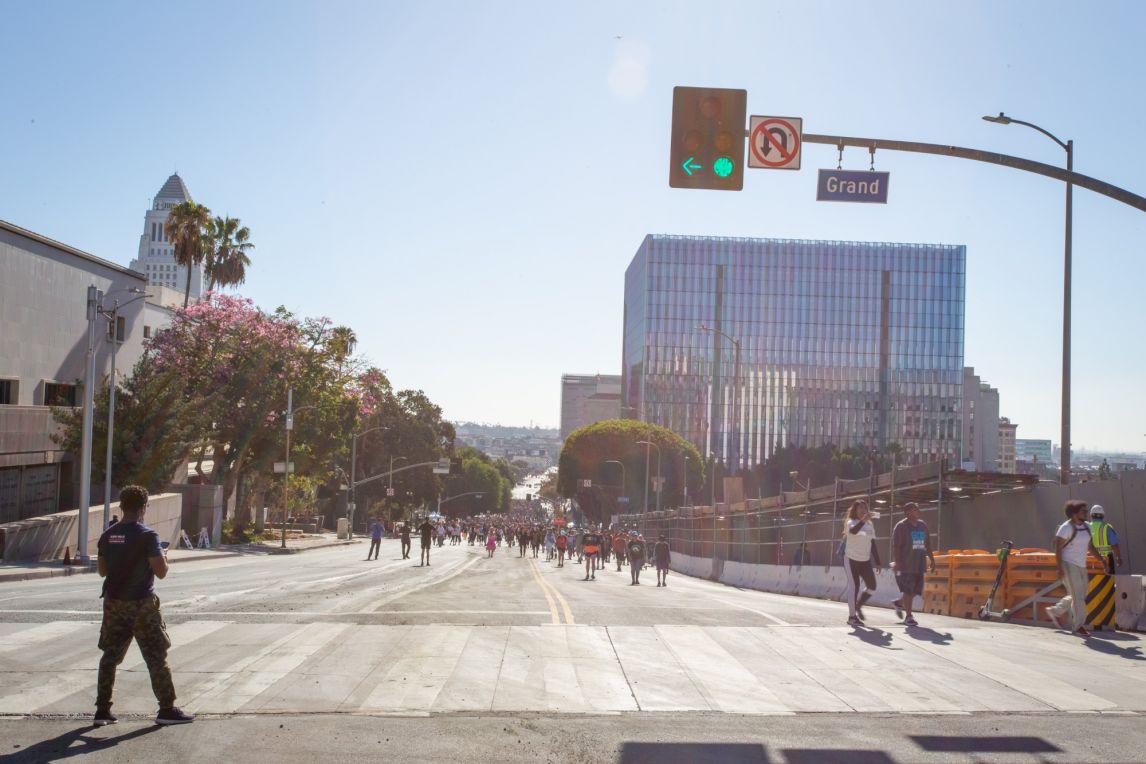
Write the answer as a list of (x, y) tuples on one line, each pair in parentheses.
[(794, 474), (1002, 119)]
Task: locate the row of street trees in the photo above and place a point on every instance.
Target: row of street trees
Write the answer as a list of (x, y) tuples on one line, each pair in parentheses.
[(211, 391), (602, 462)]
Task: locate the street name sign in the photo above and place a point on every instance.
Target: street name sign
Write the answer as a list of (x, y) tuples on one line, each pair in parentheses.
[(281, 467), (852, 186), (774, 142)]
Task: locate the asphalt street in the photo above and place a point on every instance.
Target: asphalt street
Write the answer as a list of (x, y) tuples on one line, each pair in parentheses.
[(516, 657)]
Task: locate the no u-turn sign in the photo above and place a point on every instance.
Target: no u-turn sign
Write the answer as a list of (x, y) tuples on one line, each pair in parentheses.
[(774, 142)]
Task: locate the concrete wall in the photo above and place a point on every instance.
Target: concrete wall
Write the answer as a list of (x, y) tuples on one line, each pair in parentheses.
[(46, 538)]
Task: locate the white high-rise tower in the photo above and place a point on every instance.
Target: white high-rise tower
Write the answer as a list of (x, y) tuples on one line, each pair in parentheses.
[(156, 252)]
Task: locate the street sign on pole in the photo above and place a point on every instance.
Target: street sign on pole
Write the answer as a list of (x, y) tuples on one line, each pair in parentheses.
[(389, 492), (281, 467), (586, 483), (774, 142), (867, 186), (658, 484)]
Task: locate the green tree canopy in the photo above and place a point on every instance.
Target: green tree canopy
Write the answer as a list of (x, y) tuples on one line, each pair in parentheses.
[(590, 452)]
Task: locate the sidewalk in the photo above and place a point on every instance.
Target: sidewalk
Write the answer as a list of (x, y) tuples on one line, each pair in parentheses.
[(27, 571)]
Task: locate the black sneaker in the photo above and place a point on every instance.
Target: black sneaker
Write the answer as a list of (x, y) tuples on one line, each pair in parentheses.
[(173, 716), (104, 717), (898, 605), (910, 621)]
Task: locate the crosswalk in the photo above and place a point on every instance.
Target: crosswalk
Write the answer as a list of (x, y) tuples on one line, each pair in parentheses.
[(227, 667)]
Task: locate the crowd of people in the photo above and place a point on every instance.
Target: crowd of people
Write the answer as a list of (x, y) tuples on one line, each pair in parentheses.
[(594, 548)]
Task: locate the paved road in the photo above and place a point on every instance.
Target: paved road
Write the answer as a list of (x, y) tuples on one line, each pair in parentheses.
[(326, 631)]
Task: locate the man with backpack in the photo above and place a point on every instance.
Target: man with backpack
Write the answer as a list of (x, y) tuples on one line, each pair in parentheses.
[(1071, 545)]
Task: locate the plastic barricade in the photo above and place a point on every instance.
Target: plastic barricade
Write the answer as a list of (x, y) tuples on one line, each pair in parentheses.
[(973, 574), (937, 585), (1033, 584)]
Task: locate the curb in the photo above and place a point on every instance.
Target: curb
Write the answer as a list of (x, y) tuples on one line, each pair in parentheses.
[(58, 572)]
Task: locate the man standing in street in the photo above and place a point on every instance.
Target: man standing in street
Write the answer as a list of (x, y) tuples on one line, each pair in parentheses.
[(590, 547), (130, 557), (376, 530), (405, 536), (662, 558), (1105, 539), (1071, 544), (911, 543), (427, 531)]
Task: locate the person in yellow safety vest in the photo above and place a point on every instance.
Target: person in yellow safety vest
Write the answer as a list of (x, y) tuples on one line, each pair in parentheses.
[(1105, 539)]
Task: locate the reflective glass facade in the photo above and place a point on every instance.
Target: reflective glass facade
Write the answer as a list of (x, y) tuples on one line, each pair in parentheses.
[(839, 342)]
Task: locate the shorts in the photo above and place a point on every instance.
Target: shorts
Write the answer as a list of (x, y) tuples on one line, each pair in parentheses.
[(662, 566), (910, 583)]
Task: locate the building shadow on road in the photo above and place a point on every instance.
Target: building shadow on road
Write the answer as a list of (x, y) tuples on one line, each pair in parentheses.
[(64, 746), (986, 744), (693, 753)]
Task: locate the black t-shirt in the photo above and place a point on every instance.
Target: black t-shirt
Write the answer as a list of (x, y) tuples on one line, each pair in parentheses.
[(426, 530), (636, 548), (125, 548), (591, 539), (661, 552), (405, 532)]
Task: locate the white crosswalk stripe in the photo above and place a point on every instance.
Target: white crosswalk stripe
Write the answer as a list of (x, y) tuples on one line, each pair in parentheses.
[(224, 667)]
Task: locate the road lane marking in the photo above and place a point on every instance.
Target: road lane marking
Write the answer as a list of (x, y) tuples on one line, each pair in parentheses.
[(456, 571), (556, 593), (556, 619)]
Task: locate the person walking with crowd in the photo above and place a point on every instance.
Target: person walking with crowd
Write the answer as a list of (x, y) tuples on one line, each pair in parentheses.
[(590, 547), (635, 551), (662, 557), (911, 543), (490, 544), (129, 559), (562, 543), (376, 529), (405, 537), (860, 554), (427, 531), (1072, 543), (619, 541)]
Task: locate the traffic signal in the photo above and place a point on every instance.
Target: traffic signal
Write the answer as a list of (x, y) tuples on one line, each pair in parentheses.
[(707, 144)]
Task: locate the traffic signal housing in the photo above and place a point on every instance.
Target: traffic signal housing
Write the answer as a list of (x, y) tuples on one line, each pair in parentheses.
[(707, 144)]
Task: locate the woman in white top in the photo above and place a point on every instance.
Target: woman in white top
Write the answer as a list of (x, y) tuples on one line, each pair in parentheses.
[(860, 553)]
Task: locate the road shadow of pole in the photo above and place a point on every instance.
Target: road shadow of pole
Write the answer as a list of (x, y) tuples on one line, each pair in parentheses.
[(62, 746), (756, 753)]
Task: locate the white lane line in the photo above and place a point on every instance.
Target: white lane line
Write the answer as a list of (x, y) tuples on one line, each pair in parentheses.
[(456, 571), (769, 616), (45, 633)]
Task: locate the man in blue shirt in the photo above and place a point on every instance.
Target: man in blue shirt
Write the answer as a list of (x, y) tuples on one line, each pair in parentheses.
[(375, 539), (130, 557)]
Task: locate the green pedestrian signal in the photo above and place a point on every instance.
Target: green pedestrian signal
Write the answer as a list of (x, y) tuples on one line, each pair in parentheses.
[(706, 148)]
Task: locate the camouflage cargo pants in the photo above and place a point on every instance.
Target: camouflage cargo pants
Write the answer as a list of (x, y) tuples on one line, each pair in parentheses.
[(141, 620)]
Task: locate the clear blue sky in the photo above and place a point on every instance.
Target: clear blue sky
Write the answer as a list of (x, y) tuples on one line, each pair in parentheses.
[(464, 183)]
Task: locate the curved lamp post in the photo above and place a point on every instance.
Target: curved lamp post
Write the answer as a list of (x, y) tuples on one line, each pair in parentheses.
[(646, 444), (735, 412), (353, 467), (1068, 147)]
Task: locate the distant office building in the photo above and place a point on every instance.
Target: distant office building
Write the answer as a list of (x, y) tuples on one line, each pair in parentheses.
[(744, 346), (588, 398), (1032, 450), (44, 305), (980, 423), (156, 259), (1007, 432)]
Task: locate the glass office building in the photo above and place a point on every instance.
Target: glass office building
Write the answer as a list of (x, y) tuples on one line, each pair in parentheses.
[(743, 346)]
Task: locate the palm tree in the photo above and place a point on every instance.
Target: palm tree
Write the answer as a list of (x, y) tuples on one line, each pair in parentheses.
[(227, 259), (185, 228)]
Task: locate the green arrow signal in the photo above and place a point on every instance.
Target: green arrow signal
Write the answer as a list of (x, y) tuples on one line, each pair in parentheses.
[(690, 165)]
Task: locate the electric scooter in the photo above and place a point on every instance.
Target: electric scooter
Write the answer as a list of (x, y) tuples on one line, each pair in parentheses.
[(985, 612)]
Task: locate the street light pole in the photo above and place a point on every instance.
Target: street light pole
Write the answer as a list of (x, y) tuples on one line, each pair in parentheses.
[(353, 466), (735, 407), (390, 488), (113, 320), (1068, 147), (93, 301), (686, 480), (623, 481), (646, 444), (286, 465)]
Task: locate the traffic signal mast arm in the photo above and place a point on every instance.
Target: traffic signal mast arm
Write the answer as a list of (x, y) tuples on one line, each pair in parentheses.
[(395, 471), (1058, 173)]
